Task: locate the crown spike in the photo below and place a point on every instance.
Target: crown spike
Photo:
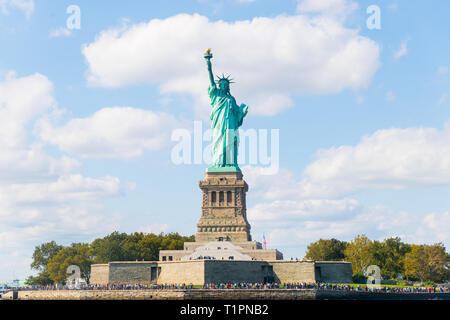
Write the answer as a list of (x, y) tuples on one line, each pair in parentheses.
[(224, 78)]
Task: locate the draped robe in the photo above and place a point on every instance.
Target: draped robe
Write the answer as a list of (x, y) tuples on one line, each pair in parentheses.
[(226, 118)]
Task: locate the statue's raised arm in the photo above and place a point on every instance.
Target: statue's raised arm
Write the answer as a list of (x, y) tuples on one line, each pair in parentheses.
[(208, 56)]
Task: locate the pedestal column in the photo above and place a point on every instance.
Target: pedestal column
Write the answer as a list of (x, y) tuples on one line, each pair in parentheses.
[(227, 220)]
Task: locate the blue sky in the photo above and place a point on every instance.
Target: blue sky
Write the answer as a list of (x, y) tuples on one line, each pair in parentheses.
[(87, 115)]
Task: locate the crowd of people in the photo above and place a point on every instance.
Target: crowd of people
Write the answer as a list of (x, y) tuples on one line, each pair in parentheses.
[(242, 285), (247, 285), (113, 286), (384, 289), (329, 286)]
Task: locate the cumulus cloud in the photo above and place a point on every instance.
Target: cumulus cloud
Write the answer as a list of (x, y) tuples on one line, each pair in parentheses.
[(390, 158), (286, 211), (292, 220), (292, 212), (27, 226), (41, 197), (283, 185), (376, 222), (118, 132), (67, 210), (22, 101), (434, 227), (33, 164), (294, 223), (272, 59), (27, 6), (67, 188)]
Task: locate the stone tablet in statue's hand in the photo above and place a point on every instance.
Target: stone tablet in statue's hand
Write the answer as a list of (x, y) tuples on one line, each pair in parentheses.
[(244, 109)]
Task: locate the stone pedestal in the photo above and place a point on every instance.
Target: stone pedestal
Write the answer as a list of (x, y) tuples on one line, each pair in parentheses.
[(223, 231), (224, 215)]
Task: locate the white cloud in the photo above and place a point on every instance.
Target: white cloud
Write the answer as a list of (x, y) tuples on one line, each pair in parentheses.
[(434, 228), (292, 220), (27, 6), (283, 185), (293, 224), (294, 212), (296, 223), (60, 32), (41, 198), (67, 188), (33, 164), (402, 50), (369, 222), (66, 210), (391, 158), (119, 132), (21, 100), (284, 212), (29, 226), (271, 59)]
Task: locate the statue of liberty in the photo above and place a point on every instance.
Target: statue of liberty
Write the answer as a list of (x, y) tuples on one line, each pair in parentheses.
[(226, 118)]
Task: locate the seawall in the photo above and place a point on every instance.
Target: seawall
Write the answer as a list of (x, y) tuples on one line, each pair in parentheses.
[(218, 294)]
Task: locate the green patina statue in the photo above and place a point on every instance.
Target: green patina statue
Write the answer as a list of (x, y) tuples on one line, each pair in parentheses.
[(226, 117)]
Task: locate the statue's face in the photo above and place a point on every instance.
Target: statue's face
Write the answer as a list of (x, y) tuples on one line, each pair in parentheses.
[(224, 86)]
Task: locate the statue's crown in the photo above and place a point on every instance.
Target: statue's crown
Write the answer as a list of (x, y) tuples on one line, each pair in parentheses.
[(224, 78)]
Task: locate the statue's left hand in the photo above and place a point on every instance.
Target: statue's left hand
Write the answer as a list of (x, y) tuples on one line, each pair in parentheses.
[(244, 109)]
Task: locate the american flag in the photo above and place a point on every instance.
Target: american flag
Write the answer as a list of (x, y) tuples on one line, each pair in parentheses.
[(264, 241)]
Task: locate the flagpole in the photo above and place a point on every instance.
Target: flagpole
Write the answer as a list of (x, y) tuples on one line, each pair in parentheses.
[(264, 241)]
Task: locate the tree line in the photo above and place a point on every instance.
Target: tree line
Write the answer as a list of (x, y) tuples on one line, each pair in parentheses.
[(51, 260), (395, 258)]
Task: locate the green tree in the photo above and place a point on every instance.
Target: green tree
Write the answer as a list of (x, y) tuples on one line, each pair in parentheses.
[(358, 252), (109, 248), (42, 279), (53, 260), (130, 247), (77, 254), (326, 250), (43, 253), (389, 255), (425, 262), (136, 246)]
